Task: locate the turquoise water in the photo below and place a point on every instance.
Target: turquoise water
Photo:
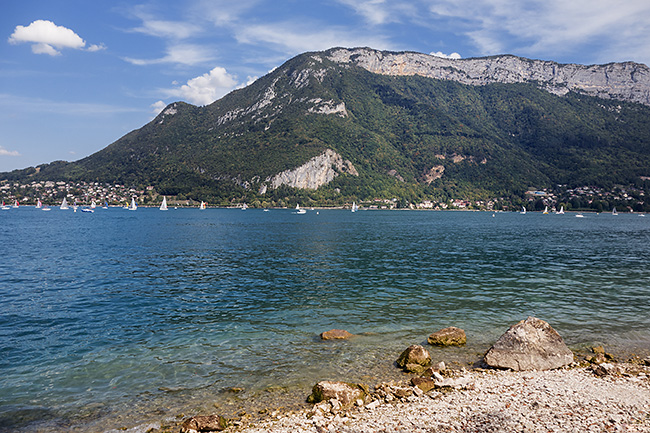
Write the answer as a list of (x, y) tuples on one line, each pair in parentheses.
[(117, 318)]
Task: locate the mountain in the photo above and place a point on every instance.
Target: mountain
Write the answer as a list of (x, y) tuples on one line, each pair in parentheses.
[(361, 123)]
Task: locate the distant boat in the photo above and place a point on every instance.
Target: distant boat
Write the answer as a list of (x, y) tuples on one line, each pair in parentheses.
[(39, 204), (202, 206), (300, 211), (266, 210), (93, 205), (545, 210), (16, 205), (5, 207), (580, 215), (244, 207), (163, 205), (105, 205), (64, 204), (523, 211), (133, 206), (614, 211), (87, 210), (354, 206), (561, 211)]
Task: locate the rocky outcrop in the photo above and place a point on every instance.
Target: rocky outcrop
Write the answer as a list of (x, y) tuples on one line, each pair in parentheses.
[(335, 334), (204, 424), (414, 359), (314, 173), (451, 336), (531, 344), (626, 81), (346, 394)]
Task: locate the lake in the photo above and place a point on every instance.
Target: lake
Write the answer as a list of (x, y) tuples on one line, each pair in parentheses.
[(120, 319)]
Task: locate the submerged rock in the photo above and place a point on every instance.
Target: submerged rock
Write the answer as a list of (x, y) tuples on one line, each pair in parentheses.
[(335, 334), (347, 394), (531, 344), (450, 336), (204, 424), (414, 354)]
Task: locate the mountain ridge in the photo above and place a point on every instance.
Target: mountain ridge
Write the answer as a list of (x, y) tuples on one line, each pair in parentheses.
[(362, 123)]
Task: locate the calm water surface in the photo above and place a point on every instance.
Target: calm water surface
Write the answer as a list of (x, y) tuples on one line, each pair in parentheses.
[(117, 318)]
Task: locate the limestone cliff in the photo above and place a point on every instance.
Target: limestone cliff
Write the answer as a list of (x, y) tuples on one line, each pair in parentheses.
[(626, 81), (314, 173)]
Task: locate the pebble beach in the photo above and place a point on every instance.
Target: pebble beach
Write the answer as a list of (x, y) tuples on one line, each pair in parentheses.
[(573, 399)]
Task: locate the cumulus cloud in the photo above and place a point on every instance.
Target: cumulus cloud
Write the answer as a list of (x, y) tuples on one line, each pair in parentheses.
[(207, 88), (5, 152), (157, 107), (453, 56), (48, 38)]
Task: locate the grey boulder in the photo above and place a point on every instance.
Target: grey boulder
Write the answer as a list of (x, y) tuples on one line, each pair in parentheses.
[(531, 344)]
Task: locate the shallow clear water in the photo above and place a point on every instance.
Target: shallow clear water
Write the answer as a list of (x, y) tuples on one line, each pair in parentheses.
[(117, 318)]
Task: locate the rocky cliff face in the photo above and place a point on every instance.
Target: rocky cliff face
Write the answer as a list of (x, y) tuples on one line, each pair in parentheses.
[(622, 81), (314, 173)]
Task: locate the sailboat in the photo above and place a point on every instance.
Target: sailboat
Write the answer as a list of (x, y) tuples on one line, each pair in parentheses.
[(133, 206), (354, 206), (546, 210), (5, 207), (300, 211), (561, 211), (64, 204), (38, 203), (523, 211), (202, 206), (16, 205), (93, 205), (163, 205), (614, 211), (105, 205), (244, 206)]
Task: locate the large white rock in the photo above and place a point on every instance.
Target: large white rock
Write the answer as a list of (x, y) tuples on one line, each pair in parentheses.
[(531, 344)]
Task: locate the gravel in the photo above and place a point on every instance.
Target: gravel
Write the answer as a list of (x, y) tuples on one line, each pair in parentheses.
[(564, 400)]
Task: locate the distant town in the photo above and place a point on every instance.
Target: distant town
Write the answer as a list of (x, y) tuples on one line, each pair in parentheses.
[(625, 199)]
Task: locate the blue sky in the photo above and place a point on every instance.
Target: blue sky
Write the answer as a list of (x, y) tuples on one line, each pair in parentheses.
[(77, 75)]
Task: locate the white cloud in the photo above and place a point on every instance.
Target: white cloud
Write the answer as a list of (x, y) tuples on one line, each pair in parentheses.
[(184, 54), (157, 107), (294, 38), (453, 56), (5, 152), (48, 38), (552, 27), (207, 88)]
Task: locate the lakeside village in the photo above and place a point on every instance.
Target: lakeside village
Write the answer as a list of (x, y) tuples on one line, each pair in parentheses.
[(625, 199)]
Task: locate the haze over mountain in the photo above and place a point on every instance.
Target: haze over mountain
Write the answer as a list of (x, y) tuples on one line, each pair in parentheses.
[(361, 123)]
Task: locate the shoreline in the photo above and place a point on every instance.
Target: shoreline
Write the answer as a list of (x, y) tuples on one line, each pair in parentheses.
[(571, 398)]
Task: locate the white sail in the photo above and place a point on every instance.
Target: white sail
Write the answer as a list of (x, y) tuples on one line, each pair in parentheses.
[(523, 210), (133, 205), (300, 211), (39, 204), (614, 211), (354, 207), (64, 204), (561, 211), (93, 205), (545, 209), (202, 206), (163, 205)]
